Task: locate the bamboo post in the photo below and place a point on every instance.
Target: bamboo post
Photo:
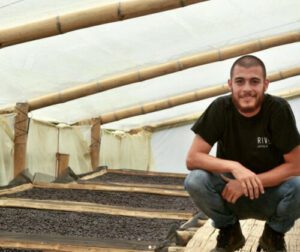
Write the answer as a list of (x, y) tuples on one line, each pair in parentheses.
[(167, 68), (20, 140), (95, 142), (97, 15), (62, 164)]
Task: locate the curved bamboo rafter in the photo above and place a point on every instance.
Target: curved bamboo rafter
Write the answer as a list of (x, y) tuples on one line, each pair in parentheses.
[(183, 99), (188, 119), (166, 68), (97, 15)]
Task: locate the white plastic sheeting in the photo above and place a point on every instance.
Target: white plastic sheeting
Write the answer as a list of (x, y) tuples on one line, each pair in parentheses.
[(6, 149), (126, 151), (45, 140), (53, 64)]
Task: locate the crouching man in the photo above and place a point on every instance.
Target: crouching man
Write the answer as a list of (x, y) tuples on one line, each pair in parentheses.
[(255, 172)]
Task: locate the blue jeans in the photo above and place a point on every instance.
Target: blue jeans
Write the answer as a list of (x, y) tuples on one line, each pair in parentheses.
[(279, 206)]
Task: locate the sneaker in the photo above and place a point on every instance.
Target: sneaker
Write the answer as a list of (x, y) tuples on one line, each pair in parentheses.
[(230, 238), (272, 241)]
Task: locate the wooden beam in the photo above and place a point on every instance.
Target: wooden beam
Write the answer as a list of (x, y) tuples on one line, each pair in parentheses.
[(95, 142), (21, 132)]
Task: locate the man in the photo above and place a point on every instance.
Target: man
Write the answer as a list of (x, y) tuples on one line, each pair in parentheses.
[(258, 158)]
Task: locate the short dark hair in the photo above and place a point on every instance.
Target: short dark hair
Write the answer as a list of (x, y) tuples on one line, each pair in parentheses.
[(249, 61)]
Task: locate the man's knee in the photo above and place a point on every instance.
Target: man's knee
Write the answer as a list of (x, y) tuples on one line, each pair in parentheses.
[(290, 192), (197, 181), (293, 187)]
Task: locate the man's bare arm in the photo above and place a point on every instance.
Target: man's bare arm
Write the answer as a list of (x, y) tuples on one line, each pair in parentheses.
[(199, 158), (281, 173)]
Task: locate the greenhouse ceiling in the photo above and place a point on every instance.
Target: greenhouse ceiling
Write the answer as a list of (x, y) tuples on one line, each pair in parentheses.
[(139, 59)]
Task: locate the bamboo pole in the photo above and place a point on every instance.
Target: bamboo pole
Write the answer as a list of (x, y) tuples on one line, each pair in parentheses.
[(95, 142), (163, 69), (97, 15), (164, 103), (184, 120), (20, 140), (183, 99)]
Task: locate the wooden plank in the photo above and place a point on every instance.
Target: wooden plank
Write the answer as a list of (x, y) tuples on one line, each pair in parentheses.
[(16, 189), (94, 208), (171, 187), (94, 175), (205, 238), (175, 249), (112, 188), (147, 173), (60, 243)]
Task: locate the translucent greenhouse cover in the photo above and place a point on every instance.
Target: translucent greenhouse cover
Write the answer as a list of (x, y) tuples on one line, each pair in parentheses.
[(53, 64)]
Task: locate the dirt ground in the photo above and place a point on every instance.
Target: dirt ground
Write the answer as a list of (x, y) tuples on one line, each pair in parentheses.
[(128, 199)]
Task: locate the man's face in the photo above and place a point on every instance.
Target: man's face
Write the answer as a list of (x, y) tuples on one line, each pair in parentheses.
[(248, 86)]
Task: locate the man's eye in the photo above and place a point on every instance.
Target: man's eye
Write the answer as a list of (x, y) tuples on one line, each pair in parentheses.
[(255, 82), (239, 82)]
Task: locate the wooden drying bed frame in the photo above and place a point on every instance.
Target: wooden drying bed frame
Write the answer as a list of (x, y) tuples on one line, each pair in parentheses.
[(52, 243), (92, 207), (46, 243), (84, 179)]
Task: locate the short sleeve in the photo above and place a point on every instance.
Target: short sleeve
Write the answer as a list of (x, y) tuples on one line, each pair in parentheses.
[(285, 135), (210, 125)]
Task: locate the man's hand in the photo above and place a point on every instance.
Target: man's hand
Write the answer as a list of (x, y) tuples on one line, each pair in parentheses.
[(251, 184), (233, 190)]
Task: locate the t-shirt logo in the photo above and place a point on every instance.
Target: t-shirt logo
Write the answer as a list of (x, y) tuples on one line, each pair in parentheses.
[(263, 142)]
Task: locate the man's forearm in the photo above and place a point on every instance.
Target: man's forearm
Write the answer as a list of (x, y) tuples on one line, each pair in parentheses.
[(210, 163), (279, 174)]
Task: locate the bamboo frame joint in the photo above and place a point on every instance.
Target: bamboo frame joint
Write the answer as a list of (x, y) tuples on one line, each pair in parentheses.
[(120, 15), (58, 25), (182, 3)]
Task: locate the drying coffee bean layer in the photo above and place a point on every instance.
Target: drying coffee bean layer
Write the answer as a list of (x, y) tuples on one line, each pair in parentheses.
[(129, 199), (139, 179), (71, 224)]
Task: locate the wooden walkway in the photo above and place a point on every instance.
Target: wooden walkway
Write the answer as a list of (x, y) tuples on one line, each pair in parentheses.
[(205, 238)]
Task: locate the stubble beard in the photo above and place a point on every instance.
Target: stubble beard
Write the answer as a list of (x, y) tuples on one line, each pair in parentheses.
[(248, 109)]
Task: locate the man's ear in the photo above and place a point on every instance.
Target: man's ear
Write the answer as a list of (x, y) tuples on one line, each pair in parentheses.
[(229, 84), (266, 84)]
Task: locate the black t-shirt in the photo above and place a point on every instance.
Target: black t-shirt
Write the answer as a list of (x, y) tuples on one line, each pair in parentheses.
[(257, 142)]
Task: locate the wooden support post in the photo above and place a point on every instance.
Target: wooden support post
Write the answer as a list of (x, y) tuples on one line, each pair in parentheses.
[(20, 140), (95, 142), (62, 164)]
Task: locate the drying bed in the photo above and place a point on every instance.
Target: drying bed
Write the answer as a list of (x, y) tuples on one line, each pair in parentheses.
[(144, 231), (140, 179), (126, 199)]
